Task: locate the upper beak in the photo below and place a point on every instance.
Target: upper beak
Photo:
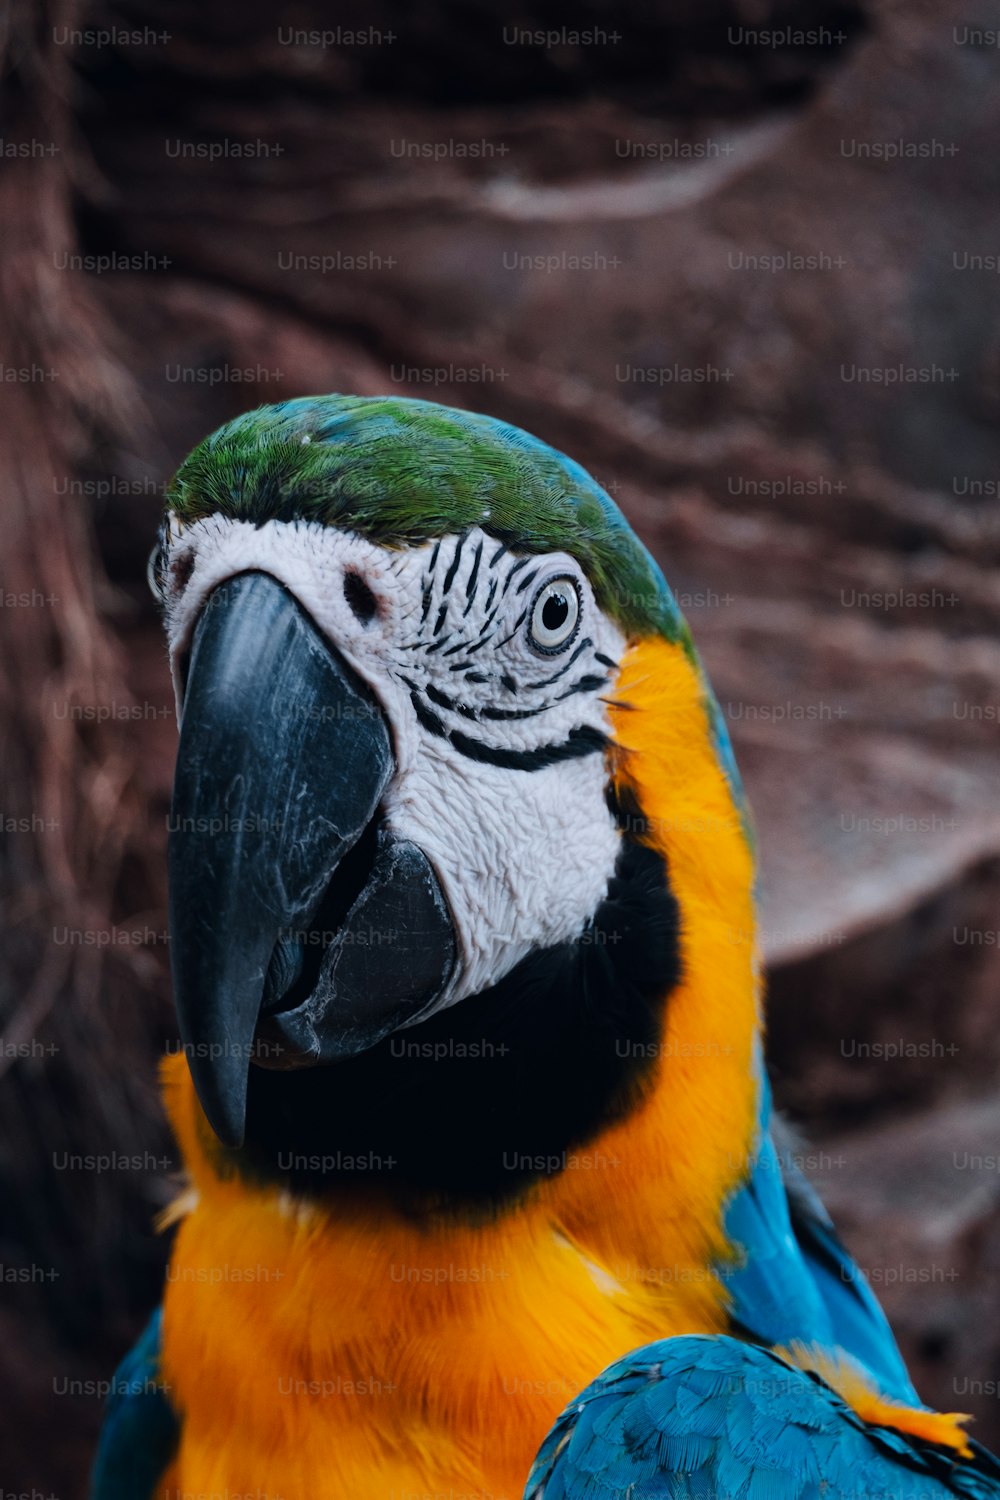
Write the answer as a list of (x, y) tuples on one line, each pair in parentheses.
[(283, 759)]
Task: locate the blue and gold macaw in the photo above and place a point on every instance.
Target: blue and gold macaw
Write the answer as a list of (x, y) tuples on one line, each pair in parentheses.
[(471, 1098)]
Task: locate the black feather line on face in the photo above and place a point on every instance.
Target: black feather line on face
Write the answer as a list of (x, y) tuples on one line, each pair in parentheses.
[(517, 625), (427, 717), (449, 577), (521, 563), (443, 701), (428, 589), (548, 681), (470, 587), (584, 740), (588, 684)]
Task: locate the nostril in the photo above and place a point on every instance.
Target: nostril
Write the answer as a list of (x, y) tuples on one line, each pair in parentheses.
[(181, 569), (360, 597)]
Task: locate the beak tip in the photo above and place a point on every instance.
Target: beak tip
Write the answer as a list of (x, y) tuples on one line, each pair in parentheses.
[(228, 1128), (222, 1094)]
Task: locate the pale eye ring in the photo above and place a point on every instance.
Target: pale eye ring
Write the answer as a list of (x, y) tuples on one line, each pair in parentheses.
[(555, 615), (156, 570)]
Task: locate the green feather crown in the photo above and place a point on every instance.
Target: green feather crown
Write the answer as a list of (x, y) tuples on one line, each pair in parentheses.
[(404, 471)]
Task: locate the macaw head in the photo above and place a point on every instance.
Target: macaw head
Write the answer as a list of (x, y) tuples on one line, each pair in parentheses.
[(442, 736)]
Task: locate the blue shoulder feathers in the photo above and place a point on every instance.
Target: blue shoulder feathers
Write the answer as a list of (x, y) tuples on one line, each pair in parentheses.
[(792, 1278)]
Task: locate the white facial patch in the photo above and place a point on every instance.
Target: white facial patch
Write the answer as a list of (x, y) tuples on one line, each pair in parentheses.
[(496, 719)]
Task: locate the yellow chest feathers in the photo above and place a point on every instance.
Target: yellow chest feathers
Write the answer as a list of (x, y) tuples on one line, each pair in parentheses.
[(314, 1357), (318, 1360), (316, 1354)]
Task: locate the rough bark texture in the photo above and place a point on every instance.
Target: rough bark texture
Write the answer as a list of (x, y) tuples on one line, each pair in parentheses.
[(565, 236)]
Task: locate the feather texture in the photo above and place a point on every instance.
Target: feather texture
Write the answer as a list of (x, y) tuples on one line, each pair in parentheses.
[(698, 1418)]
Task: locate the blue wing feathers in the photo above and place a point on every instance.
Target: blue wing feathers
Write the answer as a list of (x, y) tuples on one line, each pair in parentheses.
[(649, 1428), (140, 1428), (858, 1322)]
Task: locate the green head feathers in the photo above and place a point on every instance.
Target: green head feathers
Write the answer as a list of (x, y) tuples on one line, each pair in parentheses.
[(403, 472)]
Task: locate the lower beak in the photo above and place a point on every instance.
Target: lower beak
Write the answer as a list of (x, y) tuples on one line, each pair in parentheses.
[(301, 930)]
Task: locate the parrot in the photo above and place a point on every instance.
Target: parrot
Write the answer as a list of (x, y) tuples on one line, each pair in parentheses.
[(483, 1194)]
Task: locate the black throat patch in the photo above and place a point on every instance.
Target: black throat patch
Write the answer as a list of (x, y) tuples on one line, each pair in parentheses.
[(459, 1114)]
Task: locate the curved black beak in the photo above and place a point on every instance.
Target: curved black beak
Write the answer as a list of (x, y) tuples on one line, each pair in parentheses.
[(284, 757)]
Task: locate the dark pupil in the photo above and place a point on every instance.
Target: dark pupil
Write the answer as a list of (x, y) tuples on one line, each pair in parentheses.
[(554, 611)]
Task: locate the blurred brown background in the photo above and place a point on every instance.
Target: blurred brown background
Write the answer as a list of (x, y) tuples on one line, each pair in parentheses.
[(740, 259)]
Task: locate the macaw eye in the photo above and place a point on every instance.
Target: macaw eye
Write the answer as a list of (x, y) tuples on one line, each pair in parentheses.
[(555, 616)]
